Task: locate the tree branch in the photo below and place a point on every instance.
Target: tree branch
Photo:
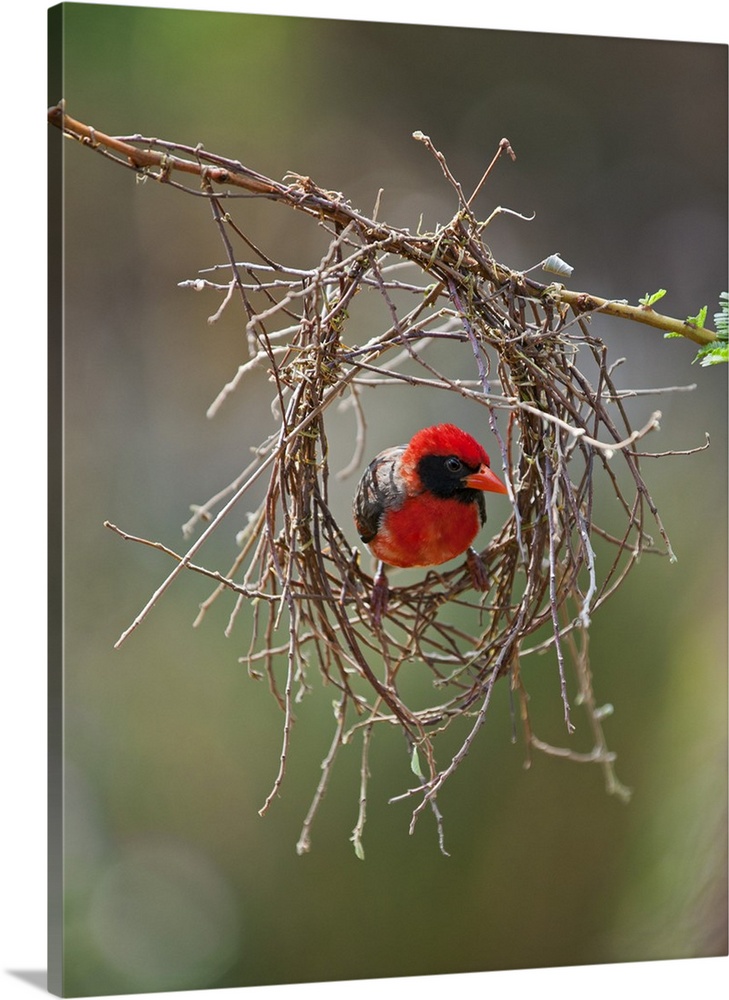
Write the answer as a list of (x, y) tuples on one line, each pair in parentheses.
[(433, 253)]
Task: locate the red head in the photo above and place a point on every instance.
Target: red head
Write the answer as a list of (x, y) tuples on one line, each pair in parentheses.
[(446, 441)]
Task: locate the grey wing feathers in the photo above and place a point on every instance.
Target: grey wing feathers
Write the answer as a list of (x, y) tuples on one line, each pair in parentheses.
[(379, 489)]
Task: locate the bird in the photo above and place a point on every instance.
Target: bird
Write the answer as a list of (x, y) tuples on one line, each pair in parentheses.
[(422, 504)]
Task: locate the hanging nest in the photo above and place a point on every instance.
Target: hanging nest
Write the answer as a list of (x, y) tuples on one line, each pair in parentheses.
[(544, 386)]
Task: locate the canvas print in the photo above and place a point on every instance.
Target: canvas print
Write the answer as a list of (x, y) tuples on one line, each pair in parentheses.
[(388, 459)]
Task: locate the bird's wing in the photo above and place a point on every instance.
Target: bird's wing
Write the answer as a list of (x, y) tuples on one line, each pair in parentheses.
[(381, 488)]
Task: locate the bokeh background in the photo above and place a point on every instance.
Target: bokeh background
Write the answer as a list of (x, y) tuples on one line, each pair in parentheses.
[(171, 879)]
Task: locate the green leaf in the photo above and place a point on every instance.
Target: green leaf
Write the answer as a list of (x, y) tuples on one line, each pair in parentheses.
[(698, 320), (649, 300), (721, 319), (716, 353), (415, 764), (716, 356)]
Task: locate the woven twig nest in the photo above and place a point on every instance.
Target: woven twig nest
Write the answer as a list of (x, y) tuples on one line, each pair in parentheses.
[(541, 384)]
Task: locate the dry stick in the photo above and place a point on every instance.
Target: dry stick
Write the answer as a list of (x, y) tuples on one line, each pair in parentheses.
[(360, 435), (504, 147), (253, 322), (202, 511), (671, 454), (594, 756), (652, 424), (581, 661), (431, 788), (246, 540), (508, 646), (185, 560), (499, 401), (586, 302), (340, 710), (632, 462), (288, 693), (407, 720), (550, 499), (364, 774), (599, 754), (222, 307), (248, 366), (464, 205), (485, 385), (223, 512), (307, 197), (286, 600), (223, 581)]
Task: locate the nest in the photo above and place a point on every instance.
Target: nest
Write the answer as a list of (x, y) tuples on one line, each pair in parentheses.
[(545, 388)]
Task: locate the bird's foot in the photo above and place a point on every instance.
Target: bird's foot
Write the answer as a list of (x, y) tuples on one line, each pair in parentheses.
[(477, 570), (380, 595)]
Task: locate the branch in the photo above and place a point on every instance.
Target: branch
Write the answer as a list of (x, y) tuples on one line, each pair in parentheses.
[(583, 302), (433, 253)]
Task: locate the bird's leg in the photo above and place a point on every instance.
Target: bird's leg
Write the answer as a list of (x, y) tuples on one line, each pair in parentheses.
[(380, 594), (477, 570)]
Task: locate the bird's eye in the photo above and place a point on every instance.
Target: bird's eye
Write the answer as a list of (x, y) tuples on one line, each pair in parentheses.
[(453, 464)]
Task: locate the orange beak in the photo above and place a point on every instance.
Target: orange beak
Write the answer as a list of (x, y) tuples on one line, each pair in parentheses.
[(485, 480)]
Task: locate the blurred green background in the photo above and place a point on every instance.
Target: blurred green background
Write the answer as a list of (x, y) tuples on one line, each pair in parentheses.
[(172, 880)]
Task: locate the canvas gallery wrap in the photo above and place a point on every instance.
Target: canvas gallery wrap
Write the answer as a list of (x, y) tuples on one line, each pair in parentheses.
[(388, 500)]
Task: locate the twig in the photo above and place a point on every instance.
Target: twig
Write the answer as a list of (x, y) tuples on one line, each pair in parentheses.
[(305, 196)]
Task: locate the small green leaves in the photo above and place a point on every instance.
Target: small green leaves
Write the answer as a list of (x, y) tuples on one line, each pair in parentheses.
[(716, 353), (721, 319), (700, 319), (648, 300), (415, 764)]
